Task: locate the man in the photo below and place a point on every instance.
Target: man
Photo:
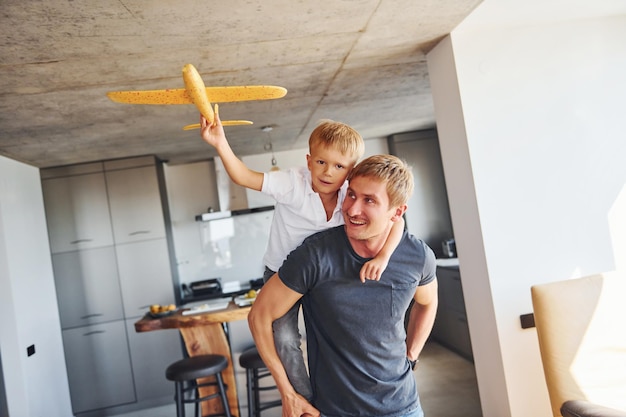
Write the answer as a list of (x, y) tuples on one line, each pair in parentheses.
[(360, 356)]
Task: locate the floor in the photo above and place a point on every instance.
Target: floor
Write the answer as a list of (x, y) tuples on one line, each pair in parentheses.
[(446, 383)]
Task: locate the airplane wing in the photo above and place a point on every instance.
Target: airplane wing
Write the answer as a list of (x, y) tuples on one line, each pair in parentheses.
[(214, 94)]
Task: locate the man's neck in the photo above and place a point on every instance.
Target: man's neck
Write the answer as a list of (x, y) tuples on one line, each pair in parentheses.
[(369, 248)]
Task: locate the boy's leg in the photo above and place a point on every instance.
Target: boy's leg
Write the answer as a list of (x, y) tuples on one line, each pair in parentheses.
[(267, 274), (287, 340)]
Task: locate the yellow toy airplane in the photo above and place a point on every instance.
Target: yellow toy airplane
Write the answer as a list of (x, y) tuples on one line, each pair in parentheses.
[(196, 93)]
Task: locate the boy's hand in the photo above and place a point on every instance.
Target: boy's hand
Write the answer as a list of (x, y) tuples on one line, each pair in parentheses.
[(373, 269), (212, 133)]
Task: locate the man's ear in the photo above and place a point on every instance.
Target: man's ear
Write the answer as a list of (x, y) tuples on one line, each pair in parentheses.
[(399, 212)]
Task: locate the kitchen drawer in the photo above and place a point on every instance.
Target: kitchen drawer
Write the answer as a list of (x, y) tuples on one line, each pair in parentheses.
[(135, 201), (77, 211), (87, 287), (98, 366), (458, 337), (450, 282), (145, 276)]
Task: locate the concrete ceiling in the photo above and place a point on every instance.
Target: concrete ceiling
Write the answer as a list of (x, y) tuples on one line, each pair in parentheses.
[(361, 62)]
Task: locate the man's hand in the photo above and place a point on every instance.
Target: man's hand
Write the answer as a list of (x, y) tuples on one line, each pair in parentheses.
[(295, 405)]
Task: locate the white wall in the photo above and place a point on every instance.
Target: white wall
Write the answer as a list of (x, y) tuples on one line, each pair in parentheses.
[(36, 385), (529, 108)]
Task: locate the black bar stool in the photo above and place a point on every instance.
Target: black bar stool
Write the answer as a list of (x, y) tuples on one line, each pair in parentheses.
[(251, 361), (190, 369)]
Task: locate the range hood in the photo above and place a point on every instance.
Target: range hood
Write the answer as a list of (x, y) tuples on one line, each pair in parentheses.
[(215, 215), (232, 198)]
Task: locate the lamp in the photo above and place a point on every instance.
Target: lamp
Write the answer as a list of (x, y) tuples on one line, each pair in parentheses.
[(269, 147)]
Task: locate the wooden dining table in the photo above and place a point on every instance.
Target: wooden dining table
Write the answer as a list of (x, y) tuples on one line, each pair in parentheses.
[(204, 333)]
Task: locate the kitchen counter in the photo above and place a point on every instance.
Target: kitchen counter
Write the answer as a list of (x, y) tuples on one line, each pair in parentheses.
[(452, 263), (451, 326)]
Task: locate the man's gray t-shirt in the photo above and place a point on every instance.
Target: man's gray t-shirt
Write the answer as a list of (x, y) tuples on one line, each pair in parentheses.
[(356, 339)]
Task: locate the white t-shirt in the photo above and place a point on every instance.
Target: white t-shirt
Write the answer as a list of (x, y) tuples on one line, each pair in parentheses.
[(298, 213)]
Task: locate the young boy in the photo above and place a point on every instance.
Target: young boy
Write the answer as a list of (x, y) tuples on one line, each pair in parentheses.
[(308, 200)]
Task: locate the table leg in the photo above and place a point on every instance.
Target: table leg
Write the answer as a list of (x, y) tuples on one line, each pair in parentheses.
[(211, 339)]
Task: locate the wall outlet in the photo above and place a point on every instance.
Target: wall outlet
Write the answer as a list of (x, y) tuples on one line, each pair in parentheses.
[(527, 321)]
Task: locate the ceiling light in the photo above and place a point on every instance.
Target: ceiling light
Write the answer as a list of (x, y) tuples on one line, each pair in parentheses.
[(268, 129)]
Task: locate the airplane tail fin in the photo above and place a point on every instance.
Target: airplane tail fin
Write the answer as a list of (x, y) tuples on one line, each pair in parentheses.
[(224, 123)]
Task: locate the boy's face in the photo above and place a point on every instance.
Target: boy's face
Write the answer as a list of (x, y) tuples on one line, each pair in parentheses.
[(329, 169)]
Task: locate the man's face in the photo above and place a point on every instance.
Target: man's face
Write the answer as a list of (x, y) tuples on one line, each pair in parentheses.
[(329, 169), (366, 210)]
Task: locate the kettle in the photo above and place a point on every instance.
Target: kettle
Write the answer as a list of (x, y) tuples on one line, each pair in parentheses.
[(449, 248)]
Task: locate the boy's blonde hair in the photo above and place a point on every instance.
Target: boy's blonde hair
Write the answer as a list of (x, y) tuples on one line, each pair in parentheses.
[(390, 169), (339, 136)]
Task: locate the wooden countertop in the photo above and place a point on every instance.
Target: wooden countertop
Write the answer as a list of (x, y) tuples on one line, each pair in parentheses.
[(177, 320)]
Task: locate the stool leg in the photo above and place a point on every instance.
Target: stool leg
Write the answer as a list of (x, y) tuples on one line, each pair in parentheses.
[(196, 406), (222, 388), (250, 389), (257, 393), (180, 406)]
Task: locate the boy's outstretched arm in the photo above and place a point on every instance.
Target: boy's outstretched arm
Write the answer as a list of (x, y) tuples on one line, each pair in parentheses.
[(374, 268), (213, 134)]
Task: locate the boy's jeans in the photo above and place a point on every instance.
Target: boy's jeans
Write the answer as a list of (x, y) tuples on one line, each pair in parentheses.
[(287, 340)]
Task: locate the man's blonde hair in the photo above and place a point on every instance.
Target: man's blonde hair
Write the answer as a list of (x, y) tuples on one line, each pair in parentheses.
[(340, 136), (390, 169)]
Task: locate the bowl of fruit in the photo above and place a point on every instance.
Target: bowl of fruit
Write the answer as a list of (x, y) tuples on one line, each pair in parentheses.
[(246, 299), (158, 310)]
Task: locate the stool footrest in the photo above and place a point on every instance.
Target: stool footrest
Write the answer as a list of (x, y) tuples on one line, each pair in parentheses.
[(196, 399)]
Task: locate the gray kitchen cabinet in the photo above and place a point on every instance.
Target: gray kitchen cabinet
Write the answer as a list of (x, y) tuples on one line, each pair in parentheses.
[(451, 327), (151, 354), (98, 366), (87, 286), (78, 212), (135, 202), (145, 275), (111, 261)]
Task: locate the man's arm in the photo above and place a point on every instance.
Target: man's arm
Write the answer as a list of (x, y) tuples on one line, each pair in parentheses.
[(214, 135), (273, 301), (421, 318)]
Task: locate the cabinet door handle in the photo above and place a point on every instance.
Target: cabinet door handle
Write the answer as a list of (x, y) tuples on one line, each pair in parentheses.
[(77, 241), (94, 332), (88, 316), (139, 232)]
